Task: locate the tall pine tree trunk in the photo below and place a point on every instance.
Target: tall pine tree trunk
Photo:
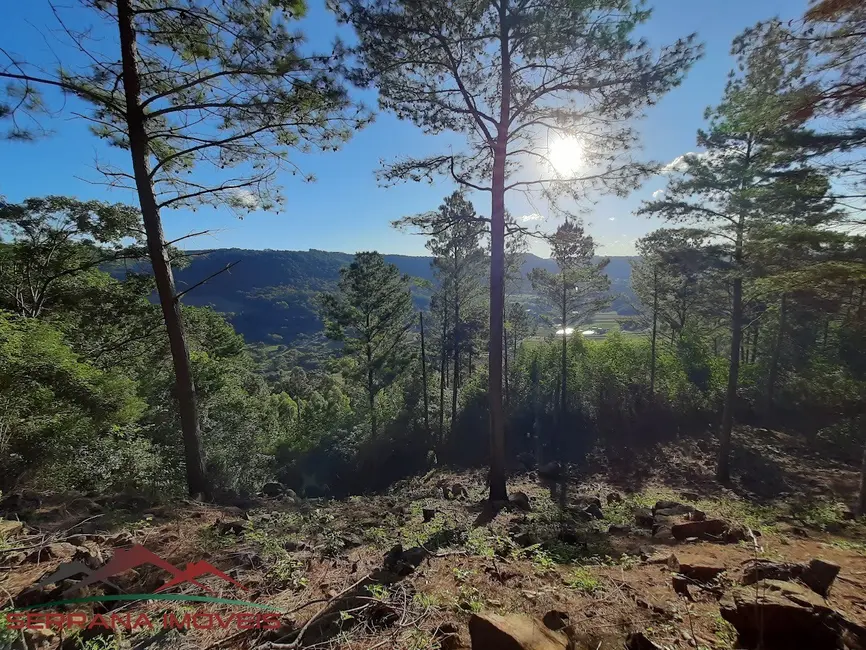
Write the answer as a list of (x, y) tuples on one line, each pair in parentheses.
[(498, 491), (139, 149), (774, 360), (723, 468), (505, 361), (536, 423), (861, 500), (455, 383), (754, 358), (371, 392), (443, 370), (655, 333), (424, 378), (563, 395)]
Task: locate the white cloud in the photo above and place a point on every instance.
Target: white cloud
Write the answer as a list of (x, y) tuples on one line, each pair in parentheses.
[(658, 195), (243, 199), (678, 164), (612, 219), (531, 217)]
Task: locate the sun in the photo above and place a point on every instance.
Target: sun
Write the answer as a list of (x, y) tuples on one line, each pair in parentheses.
[(565, 155)]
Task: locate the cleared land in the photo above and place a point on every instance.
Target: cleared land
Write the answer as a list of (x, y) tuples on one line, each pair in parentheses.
[(392, 570)]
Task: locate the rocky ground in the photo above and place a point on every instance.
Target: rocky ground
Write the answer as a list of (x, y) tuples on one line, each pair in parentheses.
[(652, 556)]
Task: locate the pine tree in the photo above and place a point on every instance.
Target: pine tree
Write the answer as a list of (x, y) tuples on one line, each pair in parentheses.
[(511, 76), (455, 234), (183, 84), (745, 180), (574, 294), (668, 279), (372, 314)]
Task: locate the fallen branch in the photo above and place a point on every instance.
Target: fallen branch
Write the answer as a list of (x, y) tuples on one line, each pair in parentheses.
[(51, 539), (276, 645)]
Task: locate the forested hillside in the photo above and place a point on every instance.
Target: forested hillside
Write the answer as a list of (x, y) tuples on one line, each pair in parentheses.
[(270, 296)]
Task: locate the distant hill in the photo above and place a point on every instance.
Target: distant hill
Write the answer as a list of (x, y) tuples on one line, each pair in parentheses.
[(269, 296)]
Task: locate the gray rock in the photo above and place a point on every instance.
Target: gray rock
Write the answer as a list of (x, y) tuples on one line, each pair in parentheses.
[(675, 507), (701, 572), (521, 501), (551, 470), (644, 518), (273, 489), (756, 569), (459, 492), (819, 576), (709, 529), (784, 615)]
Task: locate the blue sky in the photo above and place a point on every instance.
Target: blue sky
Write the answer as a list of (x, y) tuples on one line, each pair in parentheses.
[(345, 209)]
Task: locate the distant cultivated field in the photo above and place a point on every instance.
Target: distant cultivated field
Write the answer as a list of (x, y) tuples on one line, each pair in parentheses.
[(607, 320)]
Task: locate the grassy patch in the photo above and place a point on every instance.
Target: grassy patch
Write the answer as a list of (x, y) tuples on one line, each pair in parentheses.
[(272, 537), (726, 634), (849, 545), (211, 540), (469, 599), (821, 515), (753, 515), (582, 580), (622, 512), (427, 601)]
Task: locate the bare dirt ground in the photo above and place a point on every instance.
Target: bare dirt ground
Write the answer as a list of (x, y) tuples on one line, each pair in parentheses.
[(603, 564)]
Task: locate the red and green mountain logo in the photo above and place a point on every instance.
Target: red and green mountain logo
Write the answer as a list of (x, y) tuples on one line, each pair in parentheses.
[(126, 559), (131, 558)]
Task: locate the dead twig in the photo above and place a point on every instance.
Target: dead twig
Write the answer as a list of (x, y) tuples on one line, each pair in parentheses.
[(276, 645)]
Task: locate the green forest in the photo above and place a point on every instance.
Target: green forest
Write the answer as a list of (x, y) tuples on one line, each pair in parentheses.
[(129, 366)]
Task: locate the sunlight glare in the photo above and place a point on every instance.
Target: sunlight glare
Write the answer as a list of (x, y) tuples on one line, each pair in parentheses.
[(566, 155)]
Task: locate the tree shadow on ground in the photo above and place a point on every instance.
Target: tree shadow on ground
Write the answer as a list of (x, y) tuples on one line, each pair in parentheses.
[(766, 466)]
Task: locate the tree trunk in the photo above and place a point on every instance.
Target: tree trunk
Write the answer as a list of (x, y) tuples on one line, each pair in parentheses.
[(774, 360), (861, 500), (455, 383), (442, 375), (139, 149), (498, 491), (755, 345), (723, 469), (424, 378), (563, 391), (536, 424), (654, 334), (505, 361), (371, 392)]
